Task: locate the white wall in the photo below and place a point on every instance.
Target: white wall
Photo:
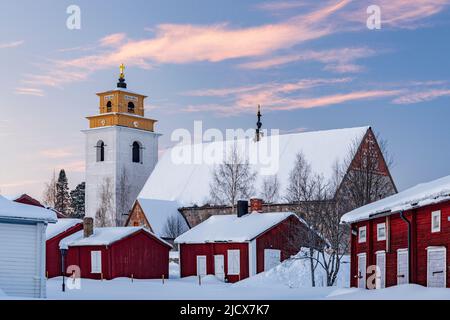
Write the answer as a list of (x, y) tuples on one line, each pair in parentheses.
[(118, 156)]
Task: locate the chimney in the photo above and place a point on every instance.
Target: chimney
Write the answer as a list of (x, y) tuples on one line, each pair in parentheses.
[(256, 205), (88, 226), (242, 208)]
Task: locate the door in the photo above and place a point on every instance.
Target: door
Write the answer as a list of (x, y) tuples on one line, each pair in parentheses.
[(219, 269), (201, 265), (436, 265), (272, 258), (402, 267), (362, 271), (380, 282)]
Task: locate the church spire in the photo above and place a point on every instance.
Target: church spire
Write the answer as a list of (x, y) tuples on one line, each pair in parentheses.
[(258, 125), (122, 84)]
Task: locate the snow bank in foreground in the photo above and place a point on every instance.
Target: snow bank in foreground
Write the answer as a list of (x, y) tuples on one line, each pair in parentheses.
[(296, 273)]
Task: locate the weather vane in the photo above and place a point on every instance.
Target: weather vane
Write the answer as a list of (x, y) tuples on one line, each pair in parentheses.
[(121, 83)]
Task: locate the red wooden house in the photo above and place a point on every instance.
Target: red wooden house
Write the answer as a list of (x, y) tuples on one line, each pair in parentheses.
[(54, 234), (26, 199), (108, 253), (234, 247), (404, 237)]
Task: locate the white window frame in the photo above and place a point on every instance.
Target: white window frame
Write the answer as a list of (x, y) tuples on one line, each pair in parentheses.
[(433, 227), (234, 269), (380, 226), (360, 240), (96, 262)]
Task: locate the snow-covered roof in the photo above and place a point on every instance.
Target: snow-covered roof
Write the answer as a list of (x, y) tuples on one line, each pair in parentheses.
[(158, 213), (189, 183), (419, 196), (59, 227), (231, 228), (17, 211), (102, 237)]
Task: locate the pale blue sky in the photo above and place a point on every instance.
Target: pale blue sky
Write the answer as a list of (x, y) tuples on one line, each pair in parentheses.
[(311, 65)]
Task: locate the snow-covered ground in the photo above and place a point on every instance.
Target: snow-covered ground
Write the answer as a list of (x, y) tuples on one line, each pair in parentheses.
[(288, 281)]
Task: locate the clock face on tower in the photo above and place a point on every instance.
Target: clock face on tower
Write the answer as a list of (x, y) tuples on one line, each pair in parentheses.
[(136, 124), (102, 122)]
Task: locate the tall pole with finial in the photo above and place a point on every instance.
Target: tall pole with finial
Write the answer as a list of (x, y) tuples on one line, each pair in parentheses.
[(258, 124), (122, 84)]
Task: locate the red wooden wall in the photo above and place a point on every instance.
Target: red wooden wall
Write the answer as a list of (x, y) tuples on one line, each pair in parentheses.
[(140, 255), (286, 237), (53, 254), (189, 253), (422, 237)]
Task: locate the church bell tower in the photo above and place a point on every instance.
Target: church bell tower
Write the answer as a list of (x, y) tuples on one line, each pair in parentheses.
[(121, 153)]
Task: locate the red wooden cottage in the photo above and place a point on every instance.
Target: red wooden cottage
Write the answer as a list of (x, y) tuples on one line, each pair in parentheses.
[(54, 234), (108, 253), (234, 247), (405, 237)]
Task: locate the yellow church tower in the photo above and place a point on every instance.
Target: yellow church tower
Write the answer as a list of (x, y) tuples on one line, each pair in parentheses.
[(121, 153)]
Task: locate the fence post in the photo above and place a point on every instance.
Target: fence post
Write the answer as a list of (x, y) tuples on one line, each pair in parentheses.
[(199, 280), (163, 279), (132, 277)]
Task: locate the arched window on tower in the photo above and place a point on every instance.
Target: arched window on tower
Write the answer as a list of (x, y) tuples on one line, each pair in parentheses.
[(100, 151), (131, 107), (136, 152), (109, 106)]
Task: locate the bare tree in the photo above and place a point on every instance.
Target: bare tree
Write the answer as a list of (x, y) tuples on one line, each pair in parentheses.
[(123, 198), (174, 227), (104, 216), (270, 189), (232, 180), (309, 194), (49, 194)]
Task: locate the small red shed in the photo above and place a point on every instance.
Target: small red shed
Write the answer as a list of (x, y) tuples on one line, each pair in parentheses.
[(404, 238), (54, 234), (109, 253), (234, 247)]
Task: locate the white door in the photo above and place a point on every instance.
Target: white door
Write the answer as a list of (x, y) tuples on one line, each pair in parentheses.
[(272, 258), (201, 265), (21, 247), (362, 271), (219, 269), (436, 265), (381, 270), (402, 266)]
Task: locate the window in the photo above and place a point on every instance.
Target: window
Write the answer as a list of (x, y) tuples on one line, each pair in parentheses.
[(131, 107), (100, 151), (136, 152), (362, 235), (381, 231), (109, 106), (96, 262), (234, 262), (436, 221)]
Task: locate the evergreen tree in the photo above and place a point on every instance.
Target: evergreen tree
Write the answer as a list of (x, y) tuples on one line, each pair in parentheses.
[(77, 200), (62, 204)]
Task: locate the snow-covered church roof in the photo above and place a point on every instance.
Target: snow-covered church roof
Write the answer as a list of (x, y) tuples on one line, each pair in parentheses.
[(178, 183), (419, 196), (231, 228), (17, 211)]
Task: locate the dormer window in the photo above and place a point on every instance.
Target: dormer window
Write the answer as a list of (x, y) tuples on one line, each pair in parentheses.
[(130, 107), (109, 107)]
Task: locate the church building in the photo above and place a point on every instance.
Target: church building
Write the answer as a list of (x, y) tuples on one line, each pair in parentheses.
[(121, 153)]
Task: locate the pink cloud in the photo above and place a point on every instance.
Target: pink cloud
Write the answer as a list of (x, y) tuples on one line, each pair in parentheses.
[(13, 44), (337, 60), (57, 153), (417, 97), (29, 91), (112, 39)]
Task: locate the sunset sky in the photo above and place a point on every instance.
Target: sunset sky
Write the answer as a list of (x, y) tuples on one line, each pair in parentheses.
[(311, 65)]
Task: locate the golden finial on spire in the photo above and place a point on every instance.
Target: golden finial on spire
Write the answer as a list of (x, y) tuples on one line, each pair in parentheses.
[(122, 71)]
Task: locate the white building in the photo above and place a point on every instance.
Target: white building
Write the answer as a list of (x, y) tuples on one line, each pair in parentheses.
[(121, 152), (22, 248)]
